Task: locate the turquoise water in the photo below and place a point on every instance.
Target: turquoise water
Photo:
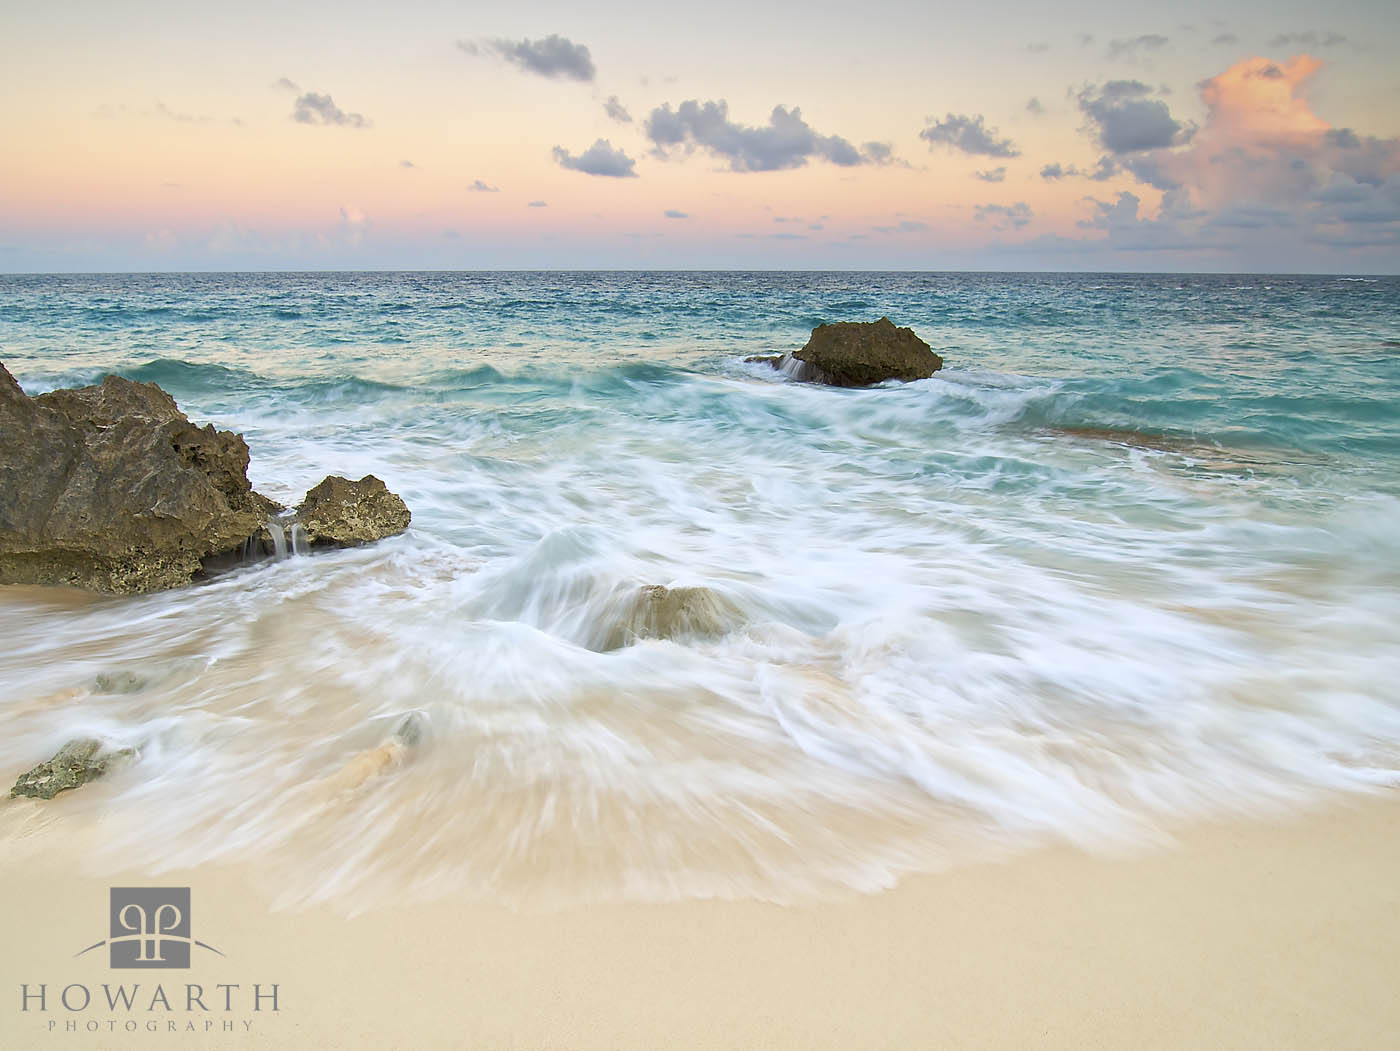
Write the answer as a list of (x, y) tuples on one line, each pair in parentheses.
[(1132, 559)]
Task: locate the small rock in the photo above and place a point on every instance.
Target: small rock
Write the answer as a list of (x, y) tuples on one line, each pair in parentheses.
[(656, 612), (411, 729), (342, 513), (859, 354), (76, 763), (119, 682)]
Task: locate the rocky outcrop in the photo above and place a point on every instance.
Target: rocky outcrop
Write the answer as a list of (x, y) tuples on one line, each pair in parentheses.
[(112, 488), (76, 763), (860, 354), (342, 513)]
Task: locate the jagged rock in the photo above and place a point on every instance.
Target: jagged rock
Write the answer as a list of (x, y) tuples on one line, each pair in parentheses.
[(859, 354), (76, 763), (112, 488), (656, 612), (342, 513)]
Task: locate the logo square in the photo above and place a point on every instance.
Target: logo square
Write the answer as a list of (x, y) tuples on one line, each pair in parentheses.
[(150, 927)]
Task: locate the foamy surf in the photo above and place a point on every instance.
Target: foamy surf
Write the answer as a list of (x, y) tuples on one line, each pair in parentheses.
[(688, 628)]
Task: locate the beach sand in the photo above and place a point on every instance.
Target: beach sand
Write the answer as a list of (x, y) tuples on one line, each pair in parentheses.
[(1244, 934)]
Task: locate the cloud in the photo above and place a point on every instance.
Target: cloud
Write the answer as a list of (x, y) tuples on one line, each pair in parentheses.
[(354, 226), (538, 204), (1039, 47), (407, 164), (554, 56), (671, 213), (616, 110), (312, 108), (1251, 215), (1125, 229), (1033, 107), (192, 118), (1132, 46), (968, 134), (786, 141), (905, 226), (598, 159), (1311, 38), (1125, 121), (1263, 169), (1226, 39), (1004, 216), (477, 186), (997, 174), (878, 153), (283, 84), (1105, 169)]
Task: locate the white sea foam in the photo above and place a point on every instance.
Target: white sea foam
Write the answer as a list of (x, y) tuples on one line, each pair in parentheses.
[(1060, 592), (948, 636)]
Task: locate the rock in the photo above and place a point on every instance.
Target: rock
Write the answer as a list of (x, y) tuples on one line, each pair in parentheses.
[(76, 763), (119, 682), (411, 729), (858, 354), (112, 488), (342, 513), (656, 612), (776, 360)]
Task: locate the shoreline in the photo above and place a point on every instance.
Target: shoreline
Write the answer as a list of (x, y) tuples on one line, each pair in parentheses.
[(1244, 934)]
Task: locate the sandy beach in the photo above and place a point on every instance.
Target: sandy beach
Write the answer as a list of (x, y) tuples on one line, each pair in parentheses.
[(1242, 935)]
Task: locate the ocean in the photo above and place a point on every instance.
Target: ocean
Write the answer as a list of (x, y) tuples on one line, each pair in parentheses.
[(1130, 561)]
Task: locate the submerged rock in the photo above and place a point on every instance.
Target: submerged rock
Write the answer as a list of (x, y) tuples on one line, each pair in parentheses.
[(119, 682), (389, 755), (342, 513), (859, 354), (112, 488), (656, 612), (76, 763)]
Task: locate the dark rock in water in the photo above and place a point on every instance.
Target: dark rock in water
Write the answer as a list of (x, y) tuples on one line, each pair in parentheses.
[(119, 682), (411, 729), (776, 360), (76, 763), (656, 612), (859, 354), (342, 513), (112, 488)]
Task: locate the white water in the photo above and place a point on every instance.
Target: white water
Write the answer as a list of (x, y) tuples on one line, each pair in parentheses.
[(939, 638)]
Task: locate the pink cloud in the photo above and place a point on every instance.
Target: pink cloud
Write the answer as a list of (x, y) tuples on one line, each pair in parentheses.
[(1262, 145)]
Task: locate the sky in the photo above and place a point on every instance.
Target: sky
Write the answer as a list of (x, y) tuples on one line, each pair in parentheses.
[(155, 135)]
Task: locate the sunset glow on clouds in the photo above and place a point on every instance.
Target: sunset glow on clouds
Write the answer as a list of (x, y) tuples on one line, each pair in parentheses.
[(161, 137)]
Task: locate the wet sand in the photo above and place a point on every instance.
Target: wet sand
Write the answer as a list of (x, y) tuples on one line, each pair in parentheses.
[(1242, 935)]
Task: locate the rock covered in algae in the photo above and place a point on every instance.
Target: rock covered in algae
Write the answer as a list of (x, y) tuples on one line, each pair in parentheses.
[(112, 488), (859, 354), (343, 513), (79, 761)]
